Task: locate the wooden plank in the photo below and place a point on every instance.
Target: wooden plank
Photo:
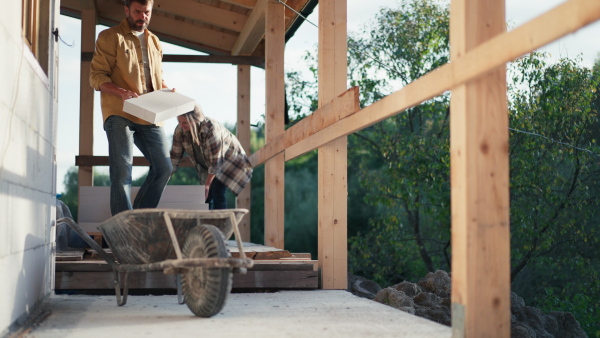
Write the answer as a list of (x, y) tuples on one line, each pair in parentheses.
[(171, 28), (243, 107), (86, 95), (266, 265), (480, 181), (263, 255), (295, 279), (274, 201), (276, 280), (140, 161), (83, 266), (333, 189), (75, 255), (275, 105), (300, 266), (88, 4), (257, 251), (203, 13), (285, 261), (480, 60), (243, 200), (67, 280), (341, 107), (286, 264), (97, 265), (234, 60), (253, 31), (242, 3)]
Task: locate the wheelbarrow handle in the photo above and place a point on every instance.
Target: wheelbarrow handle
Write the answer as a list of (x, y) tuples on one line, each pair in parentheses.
[(87, 239)]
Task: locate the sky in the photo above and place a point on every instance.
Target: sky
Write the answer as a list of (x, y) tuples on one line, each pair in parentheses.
[(214, 86)]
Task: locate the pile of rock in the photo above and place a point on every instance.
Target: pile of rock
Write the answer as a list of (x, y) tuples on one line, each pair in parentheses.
[(430, 298)]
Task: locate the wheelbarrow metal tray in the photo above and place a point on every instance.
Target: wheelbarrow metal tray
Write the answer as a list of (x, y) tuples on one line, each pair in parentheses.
[(141, 236)]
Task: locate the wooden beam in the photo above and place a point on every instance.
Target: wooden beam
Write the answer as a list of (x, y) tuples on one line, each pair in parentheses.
[(479, 181), (243, 134), (333, 156), (140, 161), (203, 13), (339, 108), (242, 3), (275, 105), (482, 59), (231, 59), (171, 29), (188, 31), (234, 60), (253, 31), (86, 95), (89, 5), (102, 280)]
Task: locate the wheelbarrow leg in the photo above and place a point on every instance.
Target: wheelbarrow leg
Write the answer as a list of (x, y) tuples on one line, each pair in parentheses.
[(117, 282), (180, 298)]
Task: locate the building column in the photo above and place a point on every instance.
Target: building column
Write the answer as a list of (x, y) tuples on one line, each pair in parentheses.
[(243, 135), (479, 181), (275, 105), (333, 157)]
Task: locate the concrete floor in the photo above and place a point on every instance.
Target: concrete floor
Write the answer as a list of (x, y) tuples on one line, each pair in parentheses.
[(314, 314)]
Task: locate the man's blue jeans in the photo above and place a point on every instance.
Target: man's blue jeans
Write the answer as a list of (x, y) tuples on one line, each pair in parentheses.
[(151, 141)]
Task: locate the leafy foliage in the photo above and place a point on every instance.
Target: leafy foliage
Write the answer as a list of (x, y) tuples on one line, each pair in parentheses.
[(402, 164), (555, 239), (71, 194), (398, 168)]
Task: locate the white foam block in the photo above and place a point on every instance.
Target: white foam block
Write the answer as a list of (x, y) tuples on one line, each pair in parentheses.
[(159, 105)]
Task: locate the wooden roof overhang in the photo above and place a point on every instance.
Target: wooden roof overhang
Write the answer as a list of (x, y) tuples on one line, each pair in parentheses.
[(215, 27)]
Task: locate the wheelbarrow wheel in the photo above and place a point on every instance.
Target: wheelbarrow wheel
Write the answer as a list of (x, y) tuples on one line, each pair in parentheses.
[(205, 290)]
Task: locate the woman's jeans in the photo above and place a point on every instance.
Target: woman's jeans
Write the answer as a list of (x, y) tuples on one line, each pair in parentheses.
[(216, 195), (151, 141)]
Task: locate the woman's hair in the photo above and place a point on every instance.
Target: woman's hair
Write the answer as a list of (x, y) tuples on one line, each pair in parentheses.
[(194, 117)]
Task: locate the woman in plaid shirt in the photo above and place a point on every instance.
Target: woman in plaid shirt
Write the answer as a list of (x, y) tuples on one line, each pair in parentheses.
[(216, 153)]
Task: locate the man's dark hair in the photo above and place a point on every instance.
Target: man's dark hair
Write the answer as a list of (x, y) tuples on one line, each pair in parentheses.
[(141, 2)]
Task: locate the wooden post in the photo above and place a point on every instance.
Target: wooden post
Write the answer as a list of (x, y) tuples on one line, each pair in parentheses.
[(275, 105), (333, 187), (243, 135), (479, 181), (86, 95)]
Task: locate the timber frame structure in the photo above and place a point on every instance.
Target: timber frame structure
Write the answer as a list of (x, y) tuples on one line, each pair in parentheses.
[(253, 32)]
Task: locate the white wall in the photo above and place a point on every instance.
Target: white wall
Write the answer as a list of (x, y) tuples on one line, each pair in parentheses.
[(27, 171)]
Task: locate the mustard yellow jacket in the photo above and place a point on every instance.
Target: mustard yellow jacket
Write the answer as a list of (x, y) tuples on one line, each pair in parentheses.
[(118, 59)]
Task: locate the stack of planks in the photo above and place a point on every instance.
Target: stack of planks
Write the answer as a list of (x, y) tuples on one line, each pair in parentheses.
[(273, 269)]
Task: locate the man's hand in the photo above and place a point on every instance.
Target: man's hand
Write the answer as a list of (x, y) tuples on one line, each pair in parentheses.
[(113, 89), (127, 94)]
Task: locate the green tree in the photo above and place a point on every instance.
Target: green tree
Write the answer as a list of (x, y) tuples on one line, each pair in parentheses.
[(402, 163), (71, 194), (555, 176), (398, 168)]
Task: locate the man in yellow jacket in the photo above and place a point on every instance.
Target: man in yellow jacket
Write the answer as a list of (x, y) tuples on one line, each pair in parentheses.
[(127, 63)]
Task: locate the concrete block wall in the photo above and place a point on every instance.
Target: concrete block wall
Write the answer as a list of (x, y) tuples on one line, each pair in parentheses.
[(28, 115)]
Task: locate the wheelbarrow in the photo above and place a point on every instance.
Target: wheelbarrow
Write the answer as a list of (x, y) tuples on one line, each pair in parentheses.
[(149, 240)]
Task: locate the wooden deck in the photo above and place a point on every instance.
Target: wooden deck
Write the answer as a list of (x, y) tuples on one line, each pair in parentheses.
[(273, 269)]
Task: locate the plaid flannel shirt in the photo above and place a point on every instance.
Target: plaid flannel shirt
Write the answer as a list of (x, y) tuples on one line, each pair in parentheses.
[(222, 153)]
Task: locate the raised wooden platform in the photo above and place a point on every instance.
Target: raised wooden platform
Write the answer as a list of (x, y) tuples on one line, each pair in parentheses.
[(273, 269)]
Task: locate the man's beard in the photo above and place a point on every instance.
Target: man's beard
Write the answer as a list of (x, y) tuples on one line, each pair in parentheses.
[(137, 25)]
